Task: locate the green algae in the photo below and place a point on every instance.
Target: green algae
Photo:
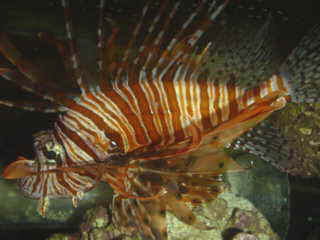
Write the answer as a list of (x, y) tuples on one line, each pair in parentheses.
[(300, 124)]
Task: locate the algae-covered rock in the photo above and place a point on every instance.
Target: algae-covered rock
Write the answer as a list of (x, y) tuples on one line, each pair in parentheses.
[(96, 218), (61, 236), (289, 140), (244, 236), (300, 125), (233, 213), (96, 225), (239, 214)]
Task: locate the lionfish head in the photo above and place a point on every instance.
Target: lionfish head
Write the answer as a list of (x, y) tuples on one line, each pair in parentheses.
[(49, 154), (43, 178)]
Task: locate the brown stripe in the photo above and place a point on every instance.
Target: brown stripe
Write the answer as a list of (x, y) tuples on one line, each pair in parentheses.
[(161, 111), (172, 101), (233, 106), (99, 122), (280, 82), (64, 184), (116, 118), (246, 97), (73, 179), (56, 189), (204, 103), (269, 86), (127, 111), (36, 182), (216, 102), (45, 186), (74, 137), (256, 93), (69, 150), (143, 105)]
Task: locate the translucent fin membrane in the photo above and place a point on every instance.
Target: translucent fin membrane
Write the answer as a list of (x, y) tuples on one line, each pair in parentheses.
[(146, 217), (302, 68), (244, 48), (267, 142), (23, 72), (74, 55), (45, 107), (161, 43), (101, 34)]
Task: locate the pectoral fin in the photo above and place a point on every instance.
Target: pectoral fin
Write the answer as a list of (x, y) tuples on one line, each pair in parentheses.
[(215, 160), (184, 213)]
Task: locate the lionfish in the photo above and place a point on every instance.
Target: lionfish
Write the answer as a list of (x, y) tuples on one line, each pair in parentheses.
[(153, 123)]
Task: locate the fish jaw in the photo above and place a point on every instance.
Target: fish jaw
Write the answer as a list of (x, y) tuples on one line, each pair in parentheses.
[(20, 168)]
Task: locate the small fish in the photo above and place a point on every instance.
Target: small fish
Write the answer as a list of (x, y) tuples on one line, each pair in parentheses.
[(152, 124)]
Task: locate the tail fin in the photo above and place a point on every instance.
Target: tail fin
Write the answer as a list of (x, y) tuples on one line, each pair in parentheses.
[(302, 68)]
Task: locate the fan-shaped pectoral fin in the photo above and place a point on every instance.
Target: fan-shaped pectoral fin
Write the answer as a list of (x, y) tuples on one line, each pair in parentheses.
[(179, 209), (217, 161), (148, 217)]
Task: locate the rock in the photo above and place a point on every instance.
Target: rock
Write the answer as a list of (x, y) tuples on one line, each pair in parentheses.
[(227, 213), (59, 236), (300, 125), (305, 131), (244, 236)]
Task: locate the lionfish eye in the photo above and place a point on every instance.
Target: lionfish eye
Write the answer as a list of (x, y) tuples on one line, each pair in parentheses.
[(52, 152), (113, 144)]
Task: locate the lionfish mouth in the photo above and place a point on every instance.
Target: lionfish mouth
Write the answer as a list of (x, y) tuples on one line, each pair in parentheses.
[(20, 168), (23, 167)]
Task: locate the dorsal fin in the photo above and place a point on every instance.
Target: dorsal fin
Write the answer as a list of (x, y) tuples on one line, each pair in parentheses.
[(158, 49)]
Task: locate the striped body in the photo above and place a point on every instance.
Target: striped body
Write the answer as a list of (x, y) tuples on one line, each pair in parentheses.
[(154, 111), (145, 113)]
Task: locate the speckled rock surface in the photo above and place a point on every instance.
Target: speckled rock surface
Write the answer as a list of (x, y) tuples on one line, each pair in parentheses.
[(244, 236), (300, 124), (60, 236), (230, 214)]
